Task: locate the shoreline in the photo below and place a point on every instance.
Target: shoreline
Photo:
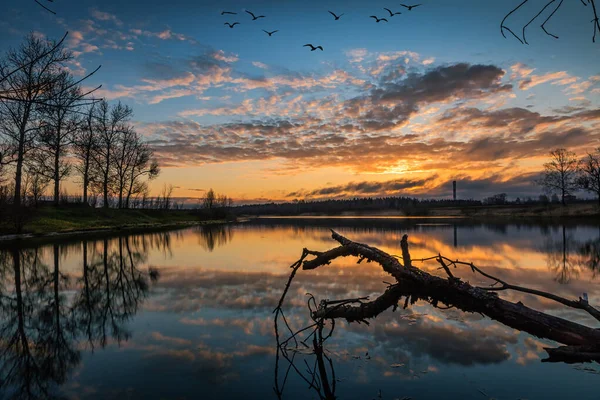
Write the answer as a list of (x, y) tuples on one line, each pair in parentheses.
[(27, 238), (507, 213)]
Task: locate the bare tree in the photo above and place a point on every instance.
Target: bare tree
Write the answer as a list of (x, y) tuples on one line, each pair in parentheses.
[(26, 75), (111, 123), (85, 142), (590, 173), (560, 173), (221, 201), (34, 185), (167, 193), (61, 121), (133, 161), (123, 159), (143, 164), (209, 200)]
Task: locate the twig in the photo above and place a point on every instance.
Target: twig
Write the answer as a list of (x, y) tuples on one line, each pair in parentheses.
[(44, 7), (548, 19), (532, 19), (503, 27), (595, 20)]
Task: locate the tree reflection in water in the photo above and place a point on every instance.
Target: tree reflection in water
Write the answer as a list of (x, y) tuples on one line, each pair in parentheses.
[(567, 257), (212, 236), (41, 327)]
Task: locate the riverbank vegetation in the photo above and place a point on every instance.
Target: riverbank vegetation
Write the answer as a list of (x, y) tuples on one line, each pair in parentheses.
[(45, 220)]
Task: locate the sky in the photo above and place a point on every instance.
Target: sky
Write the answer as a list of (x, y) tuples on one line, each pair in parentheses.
[(386, 109)]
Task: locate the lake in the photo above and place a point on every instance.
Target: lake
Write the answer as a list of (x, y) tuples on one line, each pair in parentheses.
[(188, 314)]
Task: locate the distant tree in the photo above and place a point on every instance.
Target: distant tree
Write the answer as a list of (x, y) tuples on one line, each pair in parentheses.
[(497, 199), (209, 200), (590, 173), (222, 201), (560, 173), (165, 202)]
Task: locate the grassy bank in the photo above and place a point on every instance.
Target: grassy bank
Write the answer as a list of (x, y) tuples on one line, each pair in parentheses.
[(46, 220)]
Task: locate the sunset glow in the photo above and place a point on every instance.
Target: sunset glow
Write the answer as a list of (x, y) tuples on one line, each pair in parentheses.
[(401, 108)]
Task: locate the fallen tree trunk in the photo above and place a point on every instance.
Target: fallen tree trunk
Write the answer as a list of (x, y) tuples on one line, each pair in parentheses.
[(415, 284)]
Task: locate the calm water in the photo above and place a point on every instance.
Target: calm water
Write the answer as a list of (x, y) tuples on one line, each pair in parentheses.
[(188, 314)]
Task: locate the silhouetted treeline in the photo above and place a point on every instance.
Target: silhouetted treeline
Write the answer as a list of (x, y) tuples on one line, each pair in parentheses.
[(409, 205)]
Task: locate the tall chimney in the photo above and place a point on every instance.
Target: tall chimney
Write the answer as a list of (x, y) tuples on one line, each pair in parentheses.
[(454, 190)]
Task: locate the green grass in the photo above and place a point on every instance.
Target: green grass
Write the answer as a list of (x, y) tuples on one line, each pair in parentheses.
[(46, 220)]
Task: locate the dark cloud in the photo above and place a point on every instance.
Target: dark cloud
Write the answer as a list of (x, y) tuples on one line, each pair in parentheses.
[(366, 188), (514, 186), (462, 81)]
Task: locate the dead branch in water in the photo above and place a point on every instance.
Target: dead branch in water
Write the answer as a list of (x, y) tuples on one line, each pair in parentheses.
[(582, 342)]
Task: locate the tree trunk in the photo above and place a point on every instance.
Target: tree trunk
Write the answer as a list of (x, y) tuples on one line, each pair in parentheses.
[(85, 189), (120, 193), (105, 192), (106, 176), (18, 178), (56, 175), (86, 176), (20, 156)]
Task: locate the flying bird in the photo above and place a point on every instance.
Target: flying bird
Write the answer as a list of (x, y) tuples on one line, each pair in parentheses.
[(270, 33), (410, 7), (231, 25), (391, 13), (228, 12), (313, 48), (335, 16), (254, 17), (378, 19)]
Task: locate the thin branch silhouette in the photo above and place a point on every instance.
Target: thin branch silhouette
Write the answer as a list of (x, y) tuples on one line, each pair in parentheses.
[(504, 28), (44, 7)]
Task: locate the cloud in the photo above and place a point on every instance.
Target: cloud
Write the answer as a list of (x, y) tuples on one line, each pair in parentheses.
[(444, 342), (222, 56), (260, 65), (524, 75), (168, 340), (356, 55), (166, 34), (104, 16)]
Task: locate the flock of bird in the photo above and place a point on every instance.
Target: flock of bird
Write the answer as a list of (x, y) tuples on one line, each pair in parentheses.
[(335, 16)]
